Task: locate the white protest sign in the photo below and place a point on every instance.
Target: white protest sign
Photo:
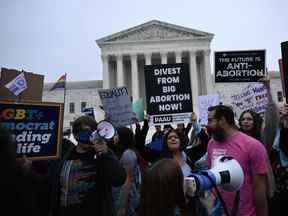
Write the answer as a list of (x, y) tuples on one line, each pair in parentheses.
[(17, 85), (117, 105), (253, 97), (205, 101)]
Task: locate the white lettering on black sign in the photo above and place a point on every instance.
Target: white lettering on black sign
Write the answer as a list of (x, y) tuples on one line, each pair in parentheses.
[(239, 66), (168, 90)]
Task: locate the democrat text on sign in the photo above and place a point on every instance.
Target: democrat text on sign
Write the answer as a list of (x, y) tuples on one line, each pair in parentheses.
[(36, 128)]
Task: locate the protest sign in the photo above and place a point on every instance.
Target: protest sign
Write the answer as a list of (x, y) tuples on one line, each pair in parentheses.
[(117, 105), (254, 97), (206, 101), (239, 66), (36, 128), (282, 76), (94, 112), (17, 85), (33, 86), (89, 111), (284, 73), (168, 93), (138, 109)]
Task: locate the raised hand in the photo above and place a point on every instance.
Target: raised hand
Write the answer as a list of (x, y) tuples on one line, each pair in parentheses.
[(193, 117)]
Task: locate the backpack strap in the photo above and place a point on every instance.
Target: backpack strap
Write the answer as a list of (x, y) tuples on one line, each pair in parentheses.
[(236, 202)]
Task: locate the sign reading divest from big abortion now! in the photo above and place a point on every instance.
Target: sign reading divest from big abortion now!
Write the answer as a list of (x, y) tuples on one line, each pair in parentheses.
[(168, 93), (239, 66), (36, 128)]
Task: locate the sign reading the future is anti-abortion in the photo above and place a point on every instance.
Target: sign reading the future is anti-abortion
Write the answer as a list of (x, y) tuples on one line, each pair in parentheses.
[(239, 66), (36, 128), (168, 93)]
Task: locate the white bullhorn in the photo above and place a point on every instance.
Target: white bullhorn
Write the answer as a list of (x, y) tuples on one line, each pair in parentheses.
[(228, 173), (106, 129)]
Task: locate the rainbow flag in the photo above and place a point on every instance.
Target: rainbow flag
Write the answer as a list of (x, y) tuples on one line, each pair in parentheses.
[(60, 84)]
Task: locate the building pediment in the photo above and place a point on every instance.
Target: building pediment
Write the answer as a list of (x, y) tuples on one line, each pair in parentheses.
[(154, 31)]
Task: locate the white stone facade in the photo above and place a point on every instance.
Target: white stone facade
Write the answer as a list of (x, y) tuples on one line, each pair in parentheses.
[(87, 91), (125, 54)]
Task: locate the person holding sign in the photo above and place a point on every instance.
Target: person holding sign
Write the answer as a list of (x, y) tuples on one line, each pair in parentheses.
[(279, 161), (86, 174)]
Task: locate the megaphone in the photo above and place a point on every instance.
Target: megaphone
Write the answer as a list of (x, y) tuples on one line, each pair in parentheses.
[(226, 173), (104, 130)]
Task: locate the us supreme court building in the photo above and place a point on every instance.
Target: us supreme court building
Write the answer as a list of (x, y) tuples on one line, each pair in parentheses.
[(124, 55)]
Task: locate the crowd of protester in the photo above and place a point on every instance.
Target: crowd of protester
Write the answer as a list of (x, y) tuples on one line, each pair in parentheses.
[(125, 176)]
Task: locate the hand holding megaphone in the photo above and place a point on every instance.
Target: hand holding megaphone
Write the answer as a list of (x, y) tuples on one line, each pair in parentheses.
[(104, 131)]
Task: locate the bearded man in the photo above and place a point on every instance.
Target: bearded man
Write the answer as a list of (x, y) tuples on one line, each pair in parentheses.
[(250, 153)]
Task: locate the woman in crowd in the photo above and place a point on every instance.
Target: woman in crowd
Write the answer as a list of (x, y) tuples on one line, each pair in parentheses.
[(279, 160), (162, 190), (174, 147), (84, 177), (127, 196), (252, 124)]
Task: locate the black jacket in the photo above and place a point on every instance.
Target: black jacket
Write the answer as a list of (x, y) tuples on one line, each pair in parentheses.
[(111, 173)]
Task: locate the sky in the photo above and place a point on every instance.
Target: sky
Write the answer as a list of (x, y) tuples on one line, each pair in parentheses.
[(53, 37)]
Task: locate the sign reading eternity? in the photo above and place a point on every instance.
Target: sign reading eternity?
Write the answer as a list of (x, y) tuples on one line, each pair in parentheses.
[(239, 66), (117, 105), (36, 128), (168, 93)]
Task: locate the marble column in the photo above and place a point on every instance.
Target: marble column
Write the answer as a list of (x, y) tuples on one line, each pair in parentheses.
[(163, 57), (148, 58), (120, 71), (194, 80), (207, 71), (106, 72), (135, 77), (178, 57)]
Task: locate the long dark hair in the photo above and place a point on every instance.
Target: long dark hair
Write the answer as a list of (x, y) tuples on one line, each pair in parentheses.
[(165, 150), (257, 124), (126, 140), (162, 190)]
